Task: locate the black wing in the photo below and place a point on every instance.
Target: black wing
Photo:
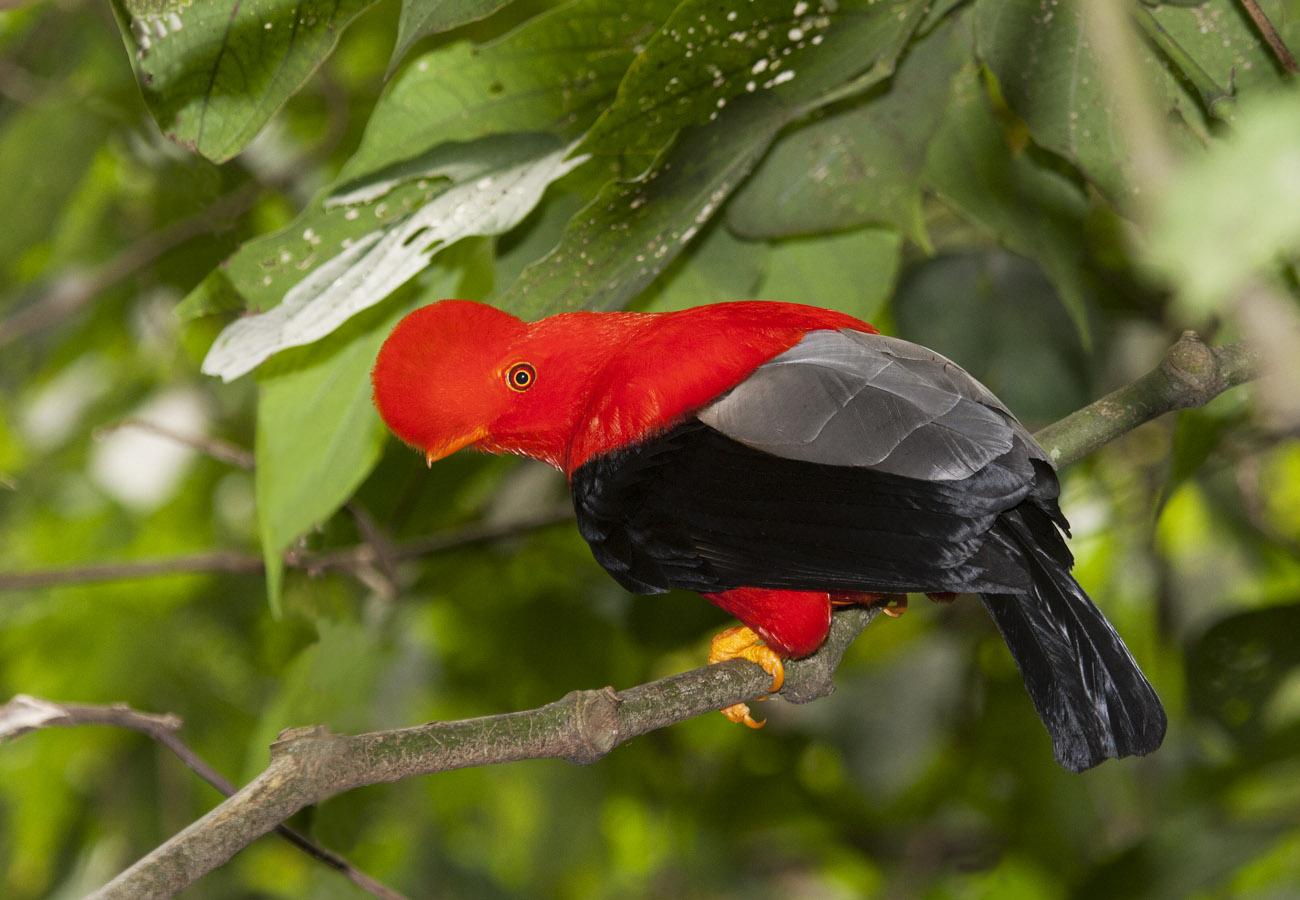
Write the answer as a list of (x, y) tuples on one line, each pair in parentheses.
[(850, 462), (695, 509)]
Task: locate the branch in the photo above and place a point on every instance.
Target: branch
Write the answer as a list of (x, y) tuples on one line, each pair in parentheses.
[(222, 451), (1191, 374), (24, 714), (309, 765), (1271, 36)]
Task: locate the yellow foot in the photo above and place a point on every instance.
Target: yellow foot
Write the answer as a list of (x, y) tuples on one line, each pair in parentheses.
[(892, 605), (742, 643)]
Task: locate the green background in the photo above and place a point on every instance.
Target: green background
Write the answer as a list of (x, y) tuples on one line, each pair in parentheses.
[(962, 175)]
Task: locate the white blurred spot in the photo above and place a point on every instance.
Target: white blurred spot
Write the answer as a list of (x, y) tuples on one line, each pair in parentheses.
[(140, 469), (50, 417)]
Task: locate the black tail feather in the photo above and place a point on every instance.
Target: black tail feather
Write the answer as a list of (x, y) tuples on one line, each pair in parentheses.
[(1084, 683)]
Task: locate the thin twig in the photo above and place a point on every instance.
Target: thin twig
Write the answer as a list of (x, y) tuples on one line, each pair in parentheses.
[(222, 451), (231, 563), (387, 581), (1271, 36), (24, 714), (236, 563), (75, 288)]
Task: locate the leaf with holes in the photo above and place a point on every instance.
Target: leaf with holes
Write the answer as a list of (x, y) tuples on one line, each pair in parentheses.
[(859, 166), (708, 54), (634, 229)]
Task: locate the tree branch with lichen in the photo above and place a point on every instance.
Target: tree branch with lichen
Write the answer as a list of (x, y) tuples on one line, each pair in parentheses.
[(309, 765)]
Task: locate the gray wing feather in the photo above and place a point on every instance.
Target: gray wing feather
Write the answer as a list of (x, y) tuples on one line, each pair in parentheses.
[(847, 398)]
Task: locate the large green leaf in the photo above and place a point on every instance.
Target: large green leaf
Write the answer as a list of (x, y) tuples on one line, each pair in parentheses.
[(318, 435), (862, 165), (718, 269), (708, 53), (1025, 204), (997, 316), (554, 73), (1051, 74), (214, 72), (634, 229)]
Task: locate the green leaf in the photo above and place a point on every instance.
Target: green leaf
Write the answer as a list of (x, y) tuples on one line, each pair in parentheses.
[(708, 53), (862, 165), (620, 242), (1214, 46), (213, 73), (421, 18), (717, 269), (634, 229), (45, 150), (318, 435), (1027, 206), (497, 183), (1051, 76), (554, 73), (997, 316), (853, 272)]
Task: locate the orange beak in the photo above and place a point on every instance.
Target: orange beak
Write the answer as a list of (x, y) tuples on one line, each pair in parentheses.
[(433, 454)]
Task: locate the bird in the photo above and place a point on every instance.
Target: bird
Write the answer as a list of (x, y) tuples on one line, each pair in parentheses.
[(781, 460)]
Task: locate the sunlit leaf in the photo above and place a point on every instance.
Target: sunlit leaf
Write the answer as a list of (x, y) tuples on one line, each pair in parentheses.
[(493, 193), (318, 435)]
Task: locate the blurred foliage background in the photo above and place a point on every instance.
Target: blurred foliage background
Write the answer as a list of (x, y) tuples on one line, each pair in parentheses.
[(1046, 198)]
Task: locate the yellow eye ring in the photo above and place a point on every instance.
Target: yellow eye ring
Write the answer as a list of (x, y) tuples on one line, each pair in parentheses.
[(521, 376)]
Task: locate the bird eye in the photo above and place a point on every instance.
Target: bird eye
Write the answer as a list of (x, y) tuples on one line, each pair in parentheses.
[(521, 376)]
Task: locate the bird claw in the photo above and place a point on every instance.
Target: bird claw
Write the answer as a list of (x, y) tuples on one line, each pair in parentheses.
[(742, 643), (892, 605)]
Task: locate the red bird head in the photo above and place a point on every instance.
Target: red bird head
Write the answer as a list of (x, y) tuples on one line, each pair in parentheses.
[(446, 375), (463, 374)]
